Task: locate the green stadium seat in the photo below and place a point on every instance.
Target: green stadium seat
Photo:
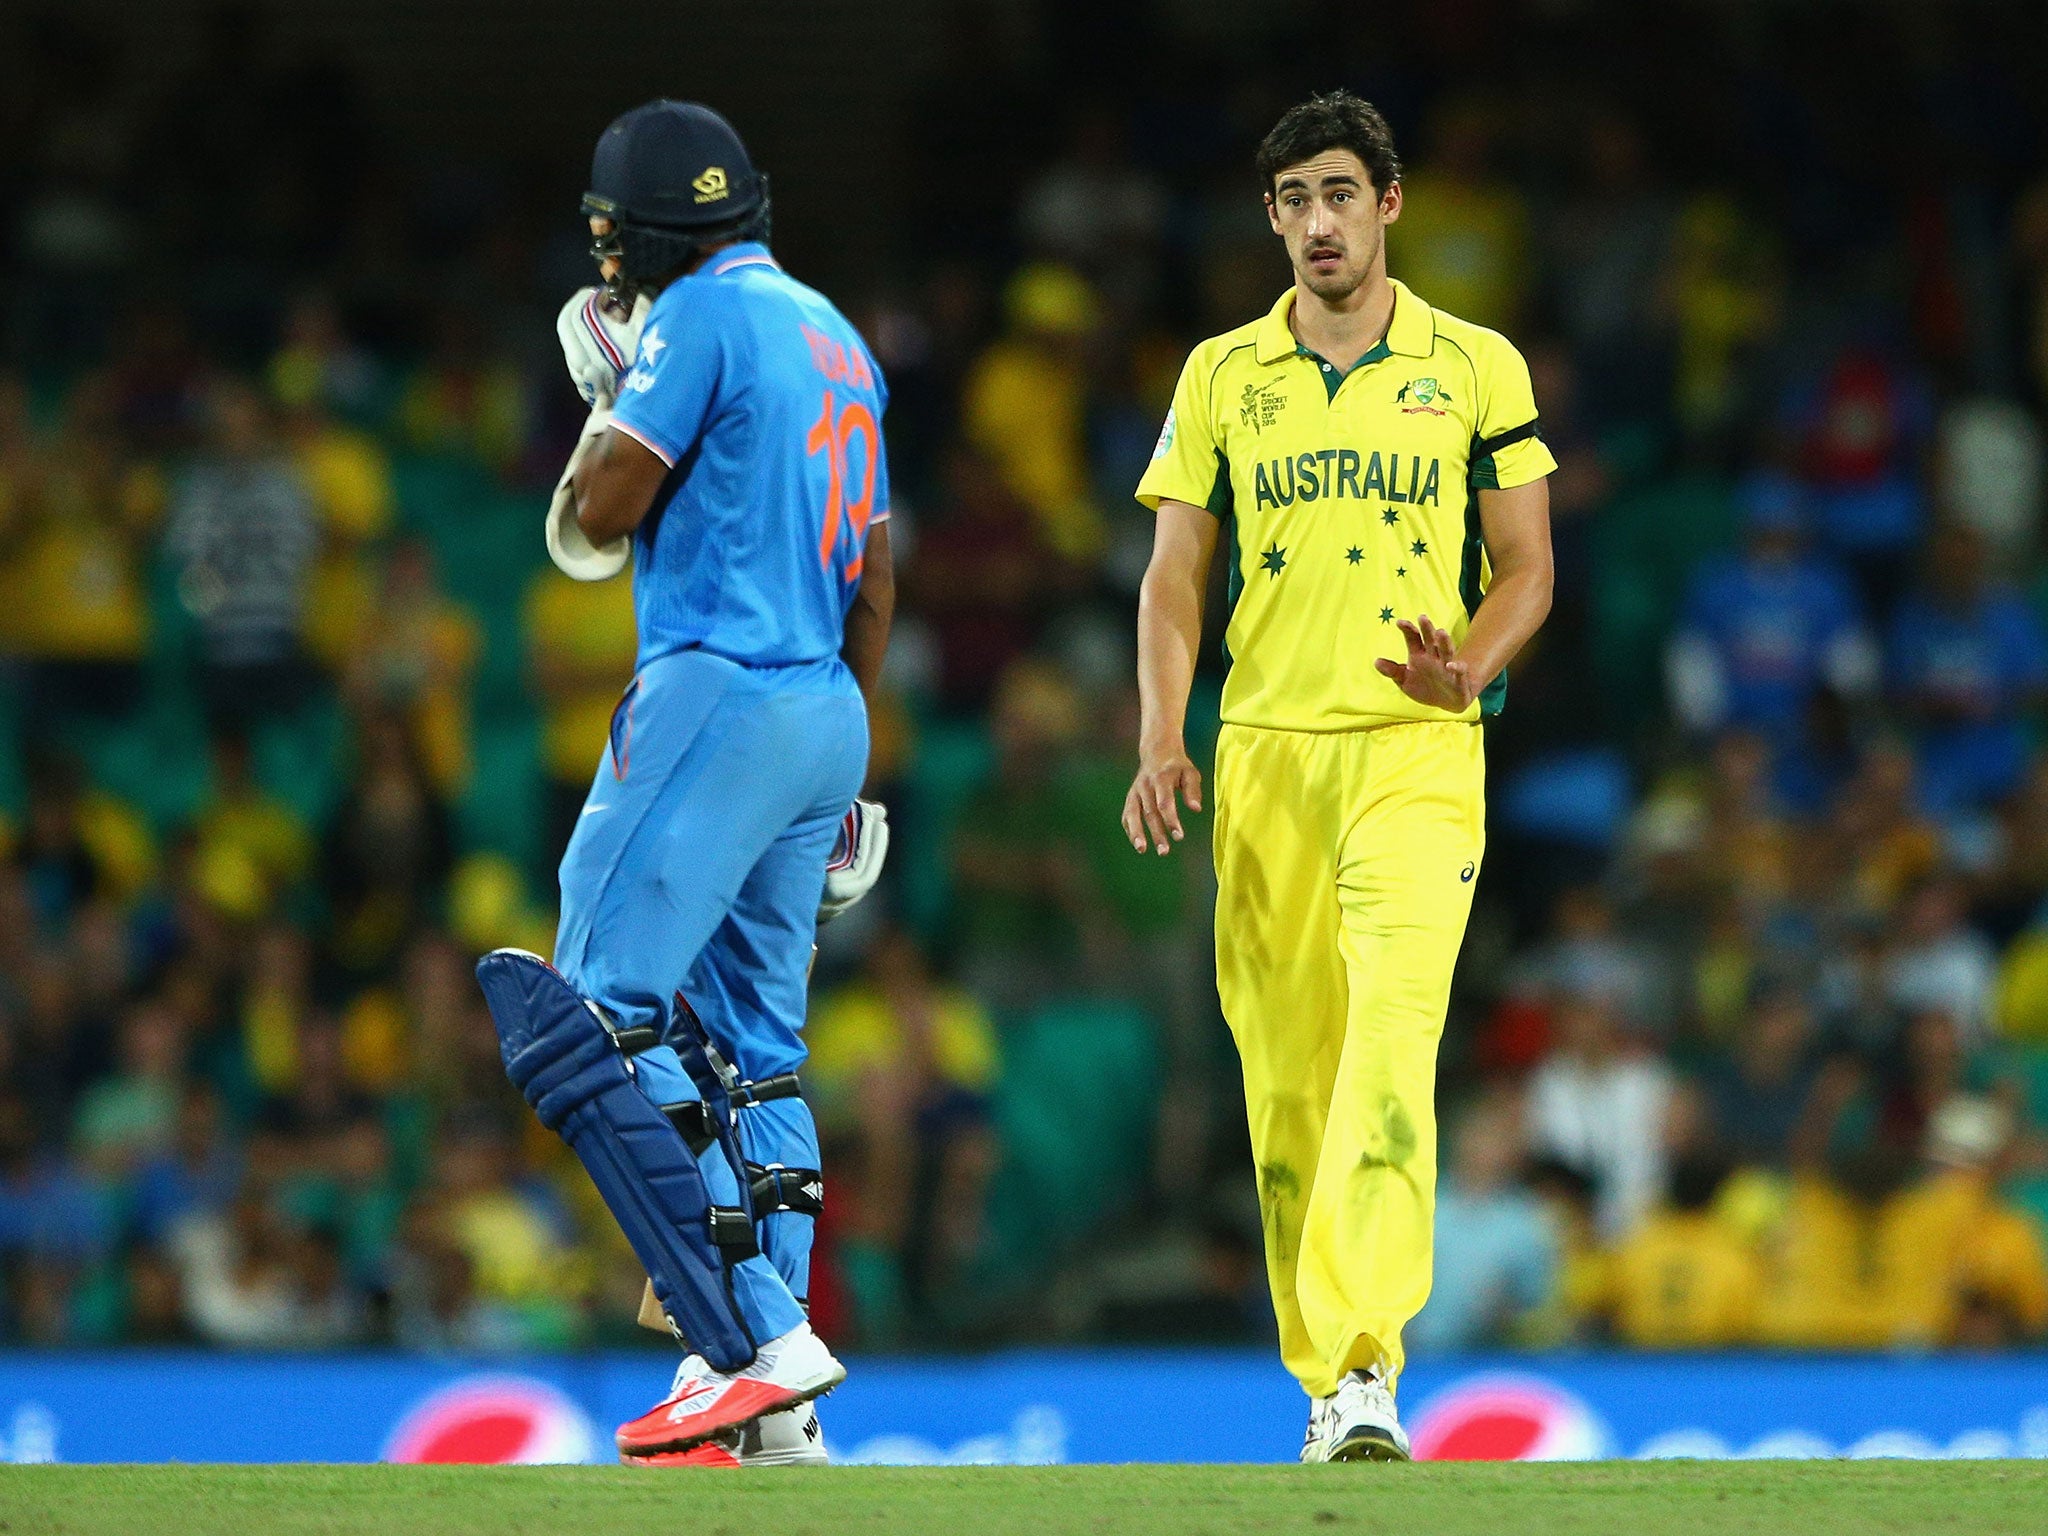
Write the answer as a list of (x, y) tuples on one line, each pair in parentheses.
[(1074, 1112), (952, 760), (501, 811), (1644, 548)]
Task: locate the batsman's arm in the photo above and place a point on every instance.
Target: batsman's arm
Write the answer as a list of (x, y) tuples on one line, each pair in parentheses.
[(1169, 638), (615, 485), (874, 606)]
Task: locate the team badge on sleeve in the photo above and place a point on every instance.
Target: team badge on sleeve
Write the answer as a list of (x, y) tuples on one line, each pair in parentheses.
[(1165, 436)]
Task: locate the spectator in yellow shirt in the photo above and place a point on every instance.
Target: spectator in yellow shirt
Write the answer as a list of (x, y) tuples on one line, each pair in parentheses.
[(901, 1065), (245, 822), (1833, 1287), (1867, 1261), (466, 398), (581, 638), (73, 517), (414, 653), (318, 363), (517, 1251), (1979, 1258), (347, 476), (1464, 233), (1027, 402), (1684, 1278), (1579, 1300)]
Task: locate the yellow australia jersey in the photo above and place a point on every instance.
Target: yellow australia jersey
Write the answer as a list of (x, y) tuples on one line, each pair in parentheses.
[(1684, 1280), (1349, 501)]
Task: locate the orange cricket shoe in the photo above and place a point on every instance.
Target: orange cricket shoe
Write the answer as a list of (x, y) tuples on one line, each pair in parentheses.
[(702, 1402)]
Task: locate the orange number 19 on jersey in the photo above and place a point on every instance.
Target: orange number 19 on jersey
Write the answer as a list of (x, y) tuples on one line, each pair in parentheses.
[(832, 434)]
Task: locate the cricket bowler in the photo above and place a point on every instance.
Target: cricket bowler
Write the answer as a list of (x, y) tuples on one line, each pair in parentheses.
[(1374, 471)]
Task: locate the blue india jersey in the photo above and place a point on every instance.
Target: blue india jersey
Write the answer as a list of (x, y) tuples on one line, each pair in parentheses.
[(766, 405)]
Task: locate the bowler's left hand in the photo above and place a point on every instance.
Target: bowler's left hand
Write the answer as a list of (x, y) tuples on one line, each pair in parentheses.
[(1432, 675)]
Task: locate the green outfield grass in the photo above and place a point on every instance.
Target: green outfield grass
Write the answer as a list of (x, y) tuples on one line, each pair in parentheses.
[(1631, 1498)]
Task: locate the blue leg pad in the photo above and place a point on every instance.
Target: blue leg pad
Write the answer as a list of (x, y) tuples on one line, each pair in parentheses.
[(559, 1054), (780, 1140), (768, 1300)]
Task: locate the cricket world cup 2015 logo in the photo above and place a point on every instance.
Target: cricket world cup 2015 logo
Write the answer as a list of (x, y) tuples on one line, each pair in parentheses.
[(1425, 393), (1259, 404)]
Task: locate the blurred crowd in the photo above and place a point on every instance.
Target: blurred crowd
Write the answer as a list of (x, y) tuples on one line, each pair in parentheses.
[(1750, 1038)]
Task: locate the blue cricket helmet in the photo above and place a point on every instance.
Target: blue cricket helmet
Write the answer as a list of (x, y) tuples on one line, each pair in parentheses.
[(672, 176)]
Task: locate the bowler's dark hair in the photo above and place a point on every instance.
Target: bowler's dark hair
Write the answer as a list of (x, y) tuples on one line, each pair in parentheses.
[(1338, 120)]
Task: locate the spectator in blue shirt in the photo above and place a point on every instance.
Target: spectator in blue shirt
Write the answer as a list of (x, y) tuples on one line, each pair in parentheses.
[(1760, 1089), (1966, 661), (48, 1209), (1763, 631), (201, 1170), (1496, 1255)]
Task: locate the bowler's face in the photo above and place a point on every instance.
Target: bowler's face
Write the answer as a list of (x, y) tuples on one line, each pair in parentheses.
[(1332, 221)]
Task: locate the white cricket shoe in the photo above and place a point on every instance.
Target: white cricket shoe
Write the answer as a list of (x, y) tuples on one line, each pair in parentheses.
[(1363, 1425), (1318, 1428), (791, 1438), (786, 1371)]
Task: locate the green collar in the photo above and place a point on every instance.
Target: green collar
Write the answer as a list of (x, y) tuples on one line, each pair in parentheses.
[(1333, 377)]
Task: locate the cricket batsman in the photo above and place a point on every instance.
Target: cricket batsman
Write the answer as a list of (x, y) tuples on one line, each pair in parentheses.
[(734, 457), (1373, 468)]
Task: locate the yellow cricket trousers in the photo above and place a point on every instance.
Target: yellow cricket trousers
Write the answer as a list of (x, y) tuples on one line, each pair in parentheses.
[(1345, 863)]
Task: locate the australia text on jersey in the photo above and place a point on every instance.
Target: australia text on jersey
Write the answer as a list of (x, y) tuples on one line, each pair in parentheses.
[(1345, 473)]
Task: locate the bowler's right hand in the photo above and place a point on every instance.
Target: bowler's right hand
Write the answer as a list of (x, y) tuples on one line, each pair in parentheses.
[(1152, 809)]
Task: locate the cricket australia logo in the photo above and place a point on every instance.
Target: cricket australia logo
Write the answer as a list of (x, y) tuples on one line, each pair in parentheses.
[(1259, 404), (1425, 393)]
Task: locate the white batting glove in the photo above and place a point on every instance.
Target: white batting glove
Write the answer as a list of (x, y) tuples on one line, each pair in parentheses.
[(856, 862), (598, 345), (568, 546)]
